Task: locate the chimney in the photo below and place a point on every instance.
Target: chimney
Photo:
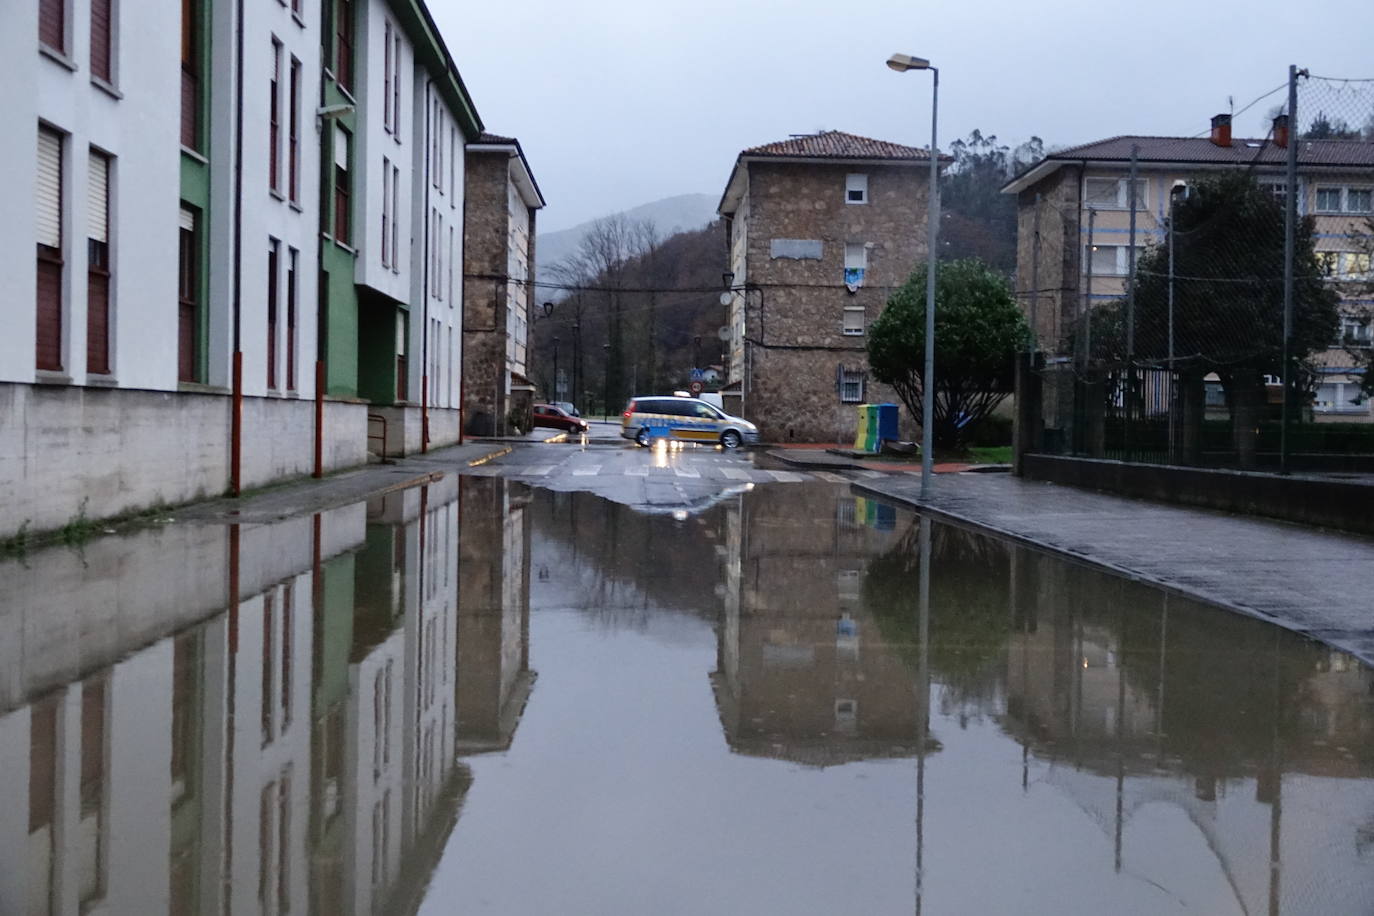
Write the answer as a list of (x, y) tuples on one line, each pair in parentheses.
[(1281, 131), (1221, 130)]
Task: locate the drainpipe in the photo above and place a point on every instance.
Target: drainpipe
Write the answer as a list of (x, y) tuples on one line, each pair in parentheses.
[(236, 415), (424, 294)]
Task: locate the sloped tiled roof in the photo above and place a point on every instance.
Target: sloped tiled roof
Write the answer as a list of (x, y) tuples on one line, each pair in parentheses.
[(1240, 152), (488, 137), (835, 144)]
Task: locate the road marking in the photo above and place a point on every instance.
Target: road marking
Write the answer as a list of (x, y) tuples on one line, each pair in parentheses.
[(735, 473), (831, 476), (590, 470), (870, 474), (538, 470), (639, 470), (682, 471), (787, 476)]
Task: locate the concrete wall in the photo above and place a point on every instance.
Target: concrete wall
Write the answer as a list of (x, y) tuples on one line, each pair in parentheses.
[(68, 450), (1339, 504), (796, 318)]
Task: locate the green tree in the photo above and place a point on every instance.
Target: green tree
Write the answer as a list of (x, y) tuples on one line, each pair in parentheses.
[(1228, 300), (978, 331)]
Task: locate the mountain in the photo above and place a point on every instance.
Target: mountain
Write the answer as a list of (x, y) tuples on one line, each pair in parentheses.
[(682, 213)]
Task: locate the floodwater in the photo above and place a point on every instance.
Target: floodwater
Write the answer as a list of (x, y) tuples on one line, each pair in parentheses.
[(475, 697)]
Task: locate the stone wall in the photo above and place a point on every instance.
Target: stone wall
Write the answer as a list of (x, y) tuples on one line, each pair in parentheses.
[(486, 223), (68, 451), (795, 317), (1059, 298)]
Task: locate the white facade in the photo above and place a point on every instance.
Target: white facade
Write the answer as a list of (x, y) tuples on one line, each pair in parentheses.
[(133, 120), (436, 308), (518, 266)]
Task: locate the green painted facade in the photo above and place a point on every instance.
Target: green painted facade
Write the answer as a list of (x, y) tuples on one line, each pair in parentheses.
[(338, 294), (195, 189)]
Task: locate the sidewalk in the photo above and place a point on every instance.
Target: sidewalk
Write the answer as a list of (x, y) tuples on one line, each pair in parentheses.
[(1312, 581), (302, 496)]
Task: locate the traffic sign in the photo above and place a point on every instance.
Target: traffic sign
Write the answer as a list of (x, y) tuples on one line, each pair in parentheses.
[(698, 375), (696, 386)]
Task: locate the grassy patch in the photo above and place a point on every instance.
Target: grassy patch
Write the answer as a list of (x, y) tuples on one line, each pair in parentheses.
[(991, 454)]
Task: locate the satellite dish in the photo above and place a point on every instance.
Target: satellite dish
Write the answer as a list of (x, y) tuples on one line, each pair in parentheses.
[(723, 333)]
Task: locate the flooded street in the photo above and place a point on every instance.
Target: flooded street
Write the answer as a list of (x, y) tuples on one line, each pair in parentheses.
[(482, 697)]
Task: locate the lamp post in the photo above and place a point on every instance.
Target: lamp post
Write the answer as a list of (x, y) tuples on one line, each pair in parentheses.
[(577, 368), (556, 391), (606, 409), (902, 63)]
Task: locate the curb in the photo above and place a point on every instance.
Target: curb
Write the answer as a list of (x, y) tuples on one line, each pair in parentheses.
[(1083, 559)]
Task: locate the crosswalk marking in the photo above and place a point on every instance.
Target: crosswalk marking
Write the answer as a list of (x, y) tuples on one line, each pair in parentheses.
[(831, 476), (735, 473), (787, 477), (684, 471), (538, 470), (638, 470), (590, 470), (870, 474)]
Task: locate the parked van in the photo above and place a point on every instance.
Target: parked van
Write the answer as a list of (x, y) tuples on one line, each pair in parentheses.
[(687, 419)]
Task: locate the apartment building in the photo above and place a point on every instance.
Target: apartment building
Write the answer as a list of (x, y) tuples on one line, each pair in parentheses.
[(820, 230), (248, 247), (1083, 199), (499, 290)]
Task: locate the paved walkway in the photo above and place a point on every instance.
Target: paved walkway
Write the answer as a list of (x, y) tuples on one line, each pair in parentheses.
[(308, 495), (1315, 582)]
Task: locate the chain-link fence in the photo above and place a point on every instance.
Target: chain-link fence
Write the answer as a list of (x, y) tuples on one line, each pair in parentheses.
[(1210, 298)]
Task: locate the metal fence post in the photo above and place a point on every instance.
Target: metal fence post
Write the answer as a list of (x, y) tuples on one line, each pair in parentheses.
[(1130, 307)]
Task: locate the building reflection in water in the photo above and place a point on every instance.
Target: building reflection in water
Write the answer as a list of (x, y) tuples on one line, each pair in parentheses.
[(258, 719), (1162, 719)]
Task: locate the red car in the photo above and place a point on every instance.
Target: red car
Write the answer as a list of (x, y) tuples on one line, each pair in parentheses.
[(547, 415)]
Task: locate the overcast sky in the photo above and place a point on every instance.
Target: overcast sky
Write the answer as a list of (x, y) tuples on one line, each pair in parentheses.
[(622, 102)]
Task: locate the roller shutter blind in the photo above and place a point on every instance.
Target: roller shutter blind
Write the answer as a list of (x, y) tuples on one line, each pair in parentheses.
[(48, 232), (98, 265), (48, 188)]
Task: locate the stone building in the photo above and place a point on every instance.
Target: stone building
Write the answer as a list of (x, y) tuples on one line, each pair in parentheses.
[(1073, 242), (820, 230), (498, 281)]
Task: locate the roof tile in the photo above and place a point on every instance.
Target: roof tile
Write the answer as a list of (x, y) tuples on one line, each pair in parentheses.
[(834, 144)]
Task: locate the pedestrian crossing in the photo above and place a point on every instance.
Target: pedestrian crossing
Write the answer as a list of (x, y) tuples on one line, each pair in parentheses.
[(732, 472)]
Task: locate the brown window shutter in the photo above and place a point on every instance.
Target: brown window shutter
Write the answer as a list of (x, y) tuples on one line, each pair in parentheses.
[(48, 223), (188, 318), (102, 30), (190, 76), (98, 321), (273, 278), (52, 24), (98, 265)]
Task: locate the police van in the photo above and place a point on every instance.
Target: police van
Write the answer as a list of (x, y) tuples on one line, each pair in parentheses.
[(686, 419)]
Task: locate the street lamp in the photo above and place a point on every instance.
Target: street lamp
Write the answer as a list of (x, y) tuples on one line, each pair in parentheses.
[(556, 391), (902, 63), (606, 348)]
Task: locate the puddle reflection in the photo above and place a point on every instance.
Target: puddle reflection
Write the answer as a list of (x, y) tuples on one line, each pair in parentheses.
[(337, 714)]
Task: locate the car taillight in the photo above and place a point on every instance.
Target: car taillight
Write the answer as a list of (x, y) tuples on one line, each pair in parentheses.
[(629, 409)]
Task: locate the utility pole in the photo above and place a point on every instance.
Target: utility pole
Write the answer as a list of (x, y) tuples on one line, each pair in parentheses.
[(1290, 224)]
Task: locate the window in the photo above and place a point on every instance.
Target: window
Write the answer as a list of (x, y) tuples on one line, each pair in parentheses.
[(188, 292), (98, 265), (190, 75), (52, 24), (293, 114), (1359, 200), (856, 189), (342, 216), (851, 385), (343, 45), (1355, 332), (1276, 189), (48, 223), (292, 263), (296, 8), (396, 87), (1339, 397), (386, 212), (102, 40), (1111, 193), (402, 368), (274, 121), (854, 320), (450, 266), (438, 280), (386, 79), (1355, 265), (1329, 200), (855, 263), (273, 284), (452, 166), (1109, 260), (395, 219)]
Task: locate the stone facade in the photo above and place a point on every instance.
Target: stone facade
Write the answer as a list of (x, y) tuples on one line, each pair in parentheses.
[(795, 309), (487, 236)]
